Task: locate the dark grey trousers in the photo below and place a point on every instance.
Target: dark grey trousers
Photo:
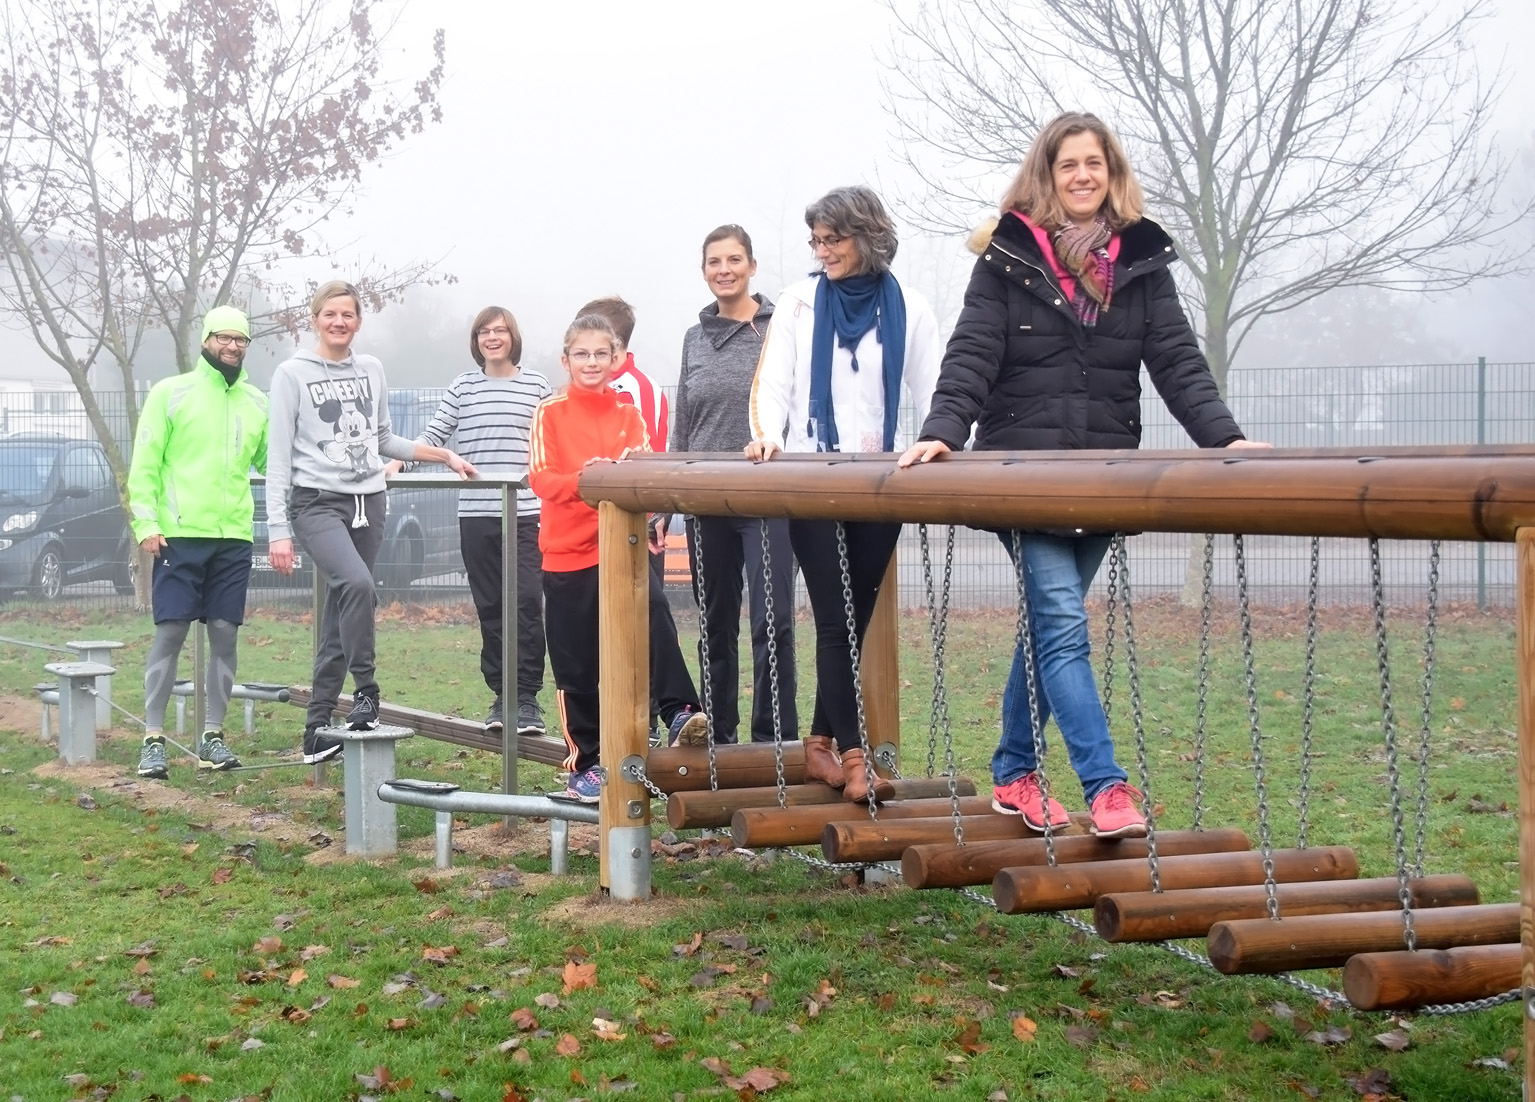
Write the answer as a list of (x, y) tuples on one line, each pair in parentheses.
[(731, 554), (343, 558)]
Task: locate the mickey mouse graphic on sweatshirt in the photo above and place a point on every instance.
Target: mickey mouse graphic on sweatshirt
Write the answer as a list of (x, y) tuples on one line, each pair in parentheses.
[(329, 428)]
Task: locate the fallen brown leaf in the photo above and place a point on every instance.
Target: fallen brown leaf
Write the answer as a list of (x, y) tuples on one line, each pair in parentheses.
[(580, 976), (567, 1045)]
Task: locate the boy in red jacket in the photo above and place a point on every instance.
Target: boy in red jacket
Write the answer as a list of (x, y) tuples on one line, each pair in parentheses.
[(586, 424)]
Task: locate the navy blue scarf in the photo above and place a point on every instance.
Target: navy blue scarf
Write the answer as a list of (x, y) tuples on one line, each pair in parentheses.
[(848, 308)]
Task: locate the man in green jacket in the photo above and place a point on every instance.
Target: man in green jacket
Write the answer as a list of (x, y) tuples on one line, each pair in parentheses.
[(189, 494)]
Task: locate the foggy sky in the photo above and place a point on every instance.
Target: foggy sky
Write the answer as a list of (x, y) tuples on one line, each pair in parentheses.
[(587, 147)]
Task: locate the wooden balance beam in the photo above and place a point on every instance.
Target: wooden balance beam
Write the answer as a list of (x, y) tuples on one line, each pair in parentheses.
[(1191, 912), (1328, 940), (877, 840), (938, 865), (1402, 980), (1067, 887), (717, 809)]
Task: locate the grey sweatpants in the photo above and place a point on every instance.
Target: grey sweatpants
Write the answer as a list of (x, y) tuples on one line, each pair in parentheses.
[(343, 557)]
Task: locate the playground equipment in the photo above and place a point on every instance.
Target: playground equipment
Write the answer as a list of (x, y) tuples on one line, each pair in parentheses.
[(1470, 493)]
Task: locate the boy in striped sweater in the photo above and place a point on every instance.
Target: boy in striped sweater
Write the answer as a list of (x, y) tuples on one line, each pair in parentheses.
[(490, 410)]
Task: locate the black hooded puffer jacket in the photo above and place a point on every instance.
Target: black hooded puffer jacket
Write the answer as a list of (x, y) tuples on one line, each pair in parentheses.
[(1022, 368)]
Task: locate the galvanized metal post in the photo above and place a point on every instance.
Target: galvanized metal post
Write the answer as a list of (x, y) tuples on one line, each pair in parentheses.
[(199, 667), (99, 650), (318, 633), (77, 708), (368, 759), (1481, 438), (559, 846), (444, 840)]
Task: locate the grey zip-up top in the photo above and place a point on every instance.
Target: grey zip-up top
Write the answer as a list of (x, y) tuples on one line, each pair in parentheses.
[(329, 426), (712, 412)]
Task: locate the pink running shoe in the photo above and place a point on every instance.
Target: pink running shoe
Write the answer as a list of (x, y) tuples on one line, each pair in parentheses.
[(1117, 812), (1024, 797)]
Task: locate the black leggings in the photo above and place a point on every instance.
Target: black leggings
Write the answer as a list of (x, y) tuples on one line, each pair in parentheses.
[(869, 547)]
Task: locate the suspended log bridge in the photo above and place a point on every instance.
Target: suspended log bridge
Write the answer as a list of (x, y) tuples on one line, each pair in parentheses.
[(950, 866), (1068, 887), (1191, 912), (706, 809)]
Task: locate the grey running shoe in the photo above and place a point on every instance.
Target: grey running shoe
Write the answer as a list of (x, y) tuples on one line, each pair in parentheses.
[(496, 720), (213, 754), (152, 760), (530, 718), (364, 713), (318, 747)]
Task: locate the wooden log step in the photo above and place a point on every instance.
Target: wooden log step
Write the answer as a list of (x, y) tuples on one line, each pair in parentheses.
[(1401, 980), (1191, 912), (878, 840), (1328, 940), (1067, 887), (945, 865), (715, 809), (802, 824), (747, 765)]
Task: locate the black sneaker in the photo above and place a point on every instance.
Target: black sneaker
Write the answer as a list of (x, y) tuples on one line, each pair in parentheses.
[(530, 718), (364, 713), (318, 747), (213, 754), (496, 719), (152, 760)]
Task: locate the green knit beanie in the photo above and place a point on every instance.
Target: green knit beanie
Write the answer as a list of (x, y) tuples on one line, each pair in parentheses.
[(225, 319)]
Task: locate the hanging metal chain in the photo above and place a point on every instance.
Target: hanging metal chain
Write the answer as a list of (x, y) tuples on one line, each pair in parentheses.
[(695, 541), (1308, 698), (1110, 611), (1260, 776), (857, 659), (1202, 688), (1133, 675), (1388, 722), (938, 631), (770, 616), (1426, 730), (1025, 645)]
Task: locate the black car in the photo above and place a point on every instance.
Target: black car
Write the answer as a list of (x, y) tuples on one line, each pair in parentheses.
[(61, 520)]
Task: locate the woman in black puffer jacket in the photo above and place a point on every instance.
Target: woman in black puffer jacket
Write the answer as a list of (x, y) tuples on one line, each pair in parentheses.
[(1070, 296)]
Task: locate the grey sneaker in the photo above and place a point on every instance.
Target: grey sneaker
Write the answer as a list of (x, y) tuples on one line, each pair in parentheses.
[(364, 713), (530, 718), (152, 760), (318, 747), (213, 754)]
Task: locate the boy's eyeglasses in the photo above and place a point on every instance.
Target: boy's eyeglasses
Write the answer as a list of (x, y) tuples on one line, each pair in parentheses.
[(581, 357), (235, 339), (493, 331), (830, 241)]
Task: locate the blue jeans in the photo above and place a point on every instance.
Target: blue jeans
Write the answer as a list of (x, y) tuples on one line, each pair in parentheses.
[(1058, 571)]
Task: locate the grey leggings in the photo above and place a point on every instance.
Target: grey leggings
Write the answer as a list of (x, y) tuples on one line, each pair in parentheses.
[(160, 670), (343, 556)]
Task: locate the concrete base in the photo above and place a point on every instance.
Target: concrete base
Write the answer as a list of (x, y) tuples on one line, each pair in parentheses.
[(368, 758)]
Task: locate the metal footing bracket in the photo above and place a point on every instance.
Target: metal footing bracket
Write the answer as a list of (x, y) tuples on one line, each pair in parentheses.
[(629, 863)]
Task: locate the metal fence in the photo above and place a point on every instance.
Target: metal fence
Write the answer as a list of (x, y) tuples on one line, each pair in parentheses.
[(63, 536)]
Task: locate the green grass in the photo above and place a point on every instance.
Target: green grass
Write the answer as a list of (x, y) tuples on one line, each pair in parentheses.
[(926, 985)]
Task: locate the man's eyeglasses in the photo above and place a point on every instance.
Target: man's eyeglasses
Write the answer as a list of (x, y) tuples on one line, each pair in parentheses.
[(830, 241), (580, 357), (235, 339), (493, 331)]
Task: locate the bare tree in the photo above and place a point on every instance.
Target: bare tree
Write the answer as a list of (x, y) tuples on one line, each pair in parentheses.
[(1292, 148), (164, 156)]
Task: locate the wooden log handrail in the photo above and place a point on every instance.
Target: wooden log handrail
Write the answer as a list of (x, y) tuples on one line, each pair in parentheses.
[(1482, 492)]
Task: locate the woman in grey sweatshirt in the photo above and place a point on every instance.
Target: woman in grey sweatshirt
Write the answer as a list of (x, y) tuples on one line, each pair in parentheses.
[(719, 358), (329, 413)]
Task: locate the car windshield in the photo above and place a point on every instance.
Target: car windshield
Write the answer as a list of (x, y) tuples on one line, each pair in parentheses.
[(24, 468)]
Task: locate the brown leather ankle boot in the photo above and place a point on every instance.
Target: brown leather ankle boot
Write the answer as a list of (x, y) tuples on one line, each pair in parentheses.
[(856, 783), (821, 761)]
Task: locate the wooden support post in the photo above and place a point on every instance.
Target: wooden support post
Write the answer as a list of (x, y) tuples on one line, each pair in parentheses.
[(946, 866), (624, 669), (712, 810), (1066, 887), (880, 670), (1525, 671), (1160, 916), (1329, 940), (1401, 980)]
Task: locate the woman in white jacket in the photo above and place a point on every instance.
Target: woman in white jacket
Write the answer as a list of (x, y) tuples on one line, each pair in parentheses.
[(841, 346)]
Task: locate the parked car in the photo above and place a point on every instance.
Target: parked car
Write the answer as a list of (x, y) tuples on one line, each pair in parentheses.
[(61, 519)]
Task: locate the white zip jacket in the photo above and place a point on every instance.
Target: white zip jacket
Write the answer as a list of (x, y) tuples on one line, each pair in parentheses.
[(780, 395)]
